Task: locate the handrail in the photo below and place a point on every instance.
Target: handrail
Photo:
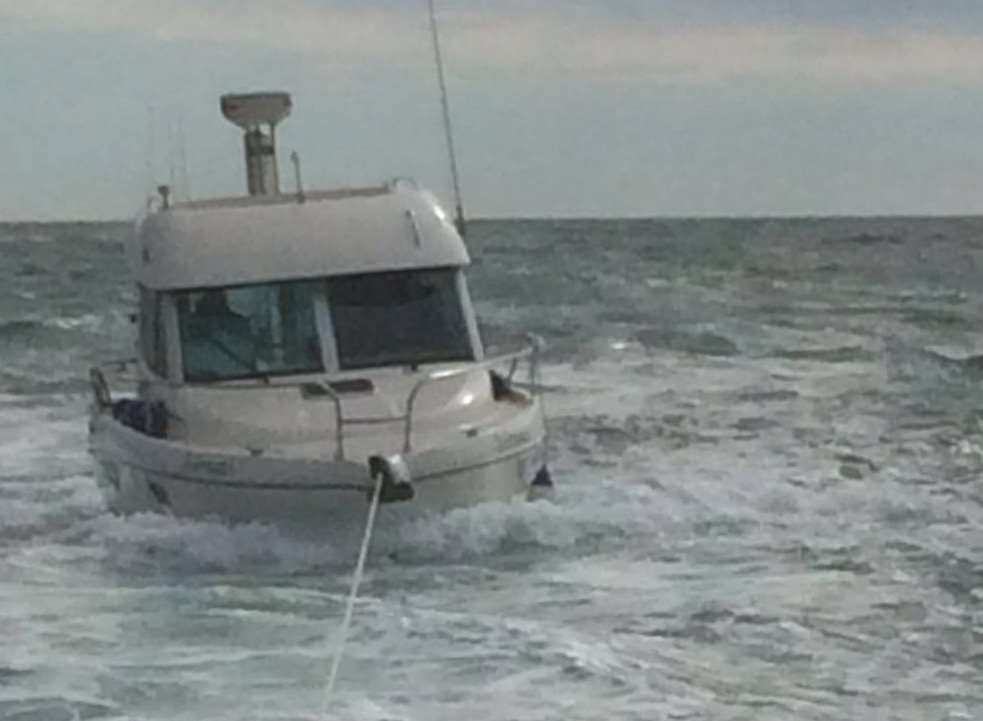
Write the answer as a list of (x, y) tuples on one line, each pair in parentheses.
[(531, 351), (339, 419)]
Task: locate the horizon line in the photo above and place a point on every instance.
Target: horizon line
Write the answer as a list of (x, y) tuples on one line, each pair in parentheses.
[(599, 218)]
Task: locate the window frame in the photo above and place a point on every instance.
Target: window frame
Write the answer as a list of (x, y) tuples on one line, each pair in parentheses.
[(470, 317), (154, 332)]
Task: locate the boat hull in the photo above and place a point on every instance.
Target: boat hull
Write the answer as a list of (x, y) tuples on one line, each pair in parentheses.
[(138, 473)]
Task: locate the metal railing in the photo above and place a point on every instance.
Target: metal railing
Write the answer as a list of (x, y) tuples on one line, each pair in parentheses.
[(339, 418), (530, 352)]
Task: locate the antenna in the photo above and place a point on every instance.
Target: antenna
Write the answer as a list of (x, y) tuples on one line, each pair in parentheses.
[(183, 158), (448, 133), (151, 148), (258, 114), (171, 172)]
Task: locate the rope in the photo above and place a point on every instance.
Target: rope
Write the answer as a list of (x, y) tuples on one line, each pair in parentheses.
[(352, 594)]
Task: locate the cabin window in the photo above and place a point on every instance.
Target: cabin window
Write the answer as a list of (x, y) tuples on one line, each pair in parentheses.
[(153, 338), (250, 331), (398, 318)]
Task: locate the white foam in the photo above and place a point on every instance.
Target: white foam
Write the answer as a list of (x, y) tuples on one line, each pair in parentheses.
[(38, 440), (87, 321), (154, 541)]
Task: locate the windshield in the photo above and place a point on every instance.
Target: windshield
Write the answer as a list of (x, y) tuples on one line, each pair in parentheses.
[(249, 331), (399, 318)]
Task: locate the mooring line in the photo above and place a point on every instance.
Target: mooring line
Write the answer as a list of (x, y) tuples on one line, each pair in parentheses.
[(352, 594)]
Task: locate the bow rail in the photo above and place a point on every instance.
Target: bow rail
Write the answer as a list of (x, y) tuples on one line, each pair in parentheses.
[(530, 353)]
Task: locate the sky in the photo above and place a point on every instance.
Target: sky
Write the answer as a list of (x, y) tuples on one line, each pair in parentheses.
[(561, 108)]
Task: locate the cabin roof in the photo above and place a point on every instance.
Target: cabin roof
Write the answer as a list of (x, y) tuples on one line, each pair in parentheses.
[(256, 239)]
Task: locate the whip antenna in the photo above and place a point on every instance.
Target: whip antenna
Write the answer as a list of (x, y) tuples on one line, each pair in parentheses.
[(445, 106)]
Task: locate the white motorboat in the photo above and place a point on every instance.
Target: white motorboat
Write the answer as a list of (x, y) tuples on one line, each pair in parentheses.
[(293, 348)]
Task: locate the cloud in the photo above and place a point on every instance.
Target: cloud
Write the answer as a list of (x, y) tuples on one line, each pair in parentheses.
[(288, 25), (561, 106), (628, 42)]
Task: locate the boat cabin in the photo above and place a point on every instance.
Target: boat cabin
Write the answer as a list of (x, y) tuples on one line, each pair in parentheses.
[(354, 292), (254, 288)]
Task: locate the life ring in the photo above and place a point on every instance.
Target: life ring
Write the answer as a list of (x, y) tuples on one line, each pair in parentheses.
[(100, 388)]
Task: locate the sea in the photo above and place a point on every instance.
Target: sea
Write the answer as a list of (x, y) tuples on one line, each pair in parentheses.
[(766, 437)]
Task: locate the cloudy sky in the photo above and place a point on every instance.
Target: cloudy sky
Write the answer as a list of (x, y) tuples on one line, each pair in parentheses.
[(562, 107)]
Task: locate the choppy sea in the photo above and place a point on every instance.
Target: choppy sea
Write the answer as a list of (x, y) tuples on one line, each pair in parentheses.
[(767, 439)]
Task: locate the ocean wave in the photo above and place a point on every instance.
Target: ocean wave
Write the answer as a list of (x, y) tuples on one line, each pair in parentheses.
[(29, 269), (20, 327), (38, 233), (934, 318), (45, 514), (43, 389), (696, 342), (867, 238), (151, 543), (87, 321), (55, 708), (814, 514), (930, 366), (10, 233), (842, 354)]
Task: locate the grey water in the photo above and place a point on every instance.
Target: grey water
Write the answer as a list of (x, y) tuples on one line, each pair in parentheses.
[(767, 438)]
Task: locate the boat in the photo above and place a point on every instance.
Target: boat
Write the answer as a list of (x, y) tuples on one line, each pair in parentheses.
[(295, 348)]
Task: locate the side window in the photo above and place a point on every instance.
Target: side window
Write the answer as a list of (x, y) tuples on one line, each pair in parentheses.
[(153, 339)]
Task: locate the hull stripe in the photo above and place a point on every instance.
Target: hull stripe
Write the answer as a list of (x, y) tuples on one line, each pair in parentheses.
[(314, 486)]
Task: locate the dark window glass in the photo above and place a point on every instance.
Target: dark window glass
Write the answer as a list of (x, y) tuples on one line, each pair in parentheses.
[(250, 331), (398, 318)]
